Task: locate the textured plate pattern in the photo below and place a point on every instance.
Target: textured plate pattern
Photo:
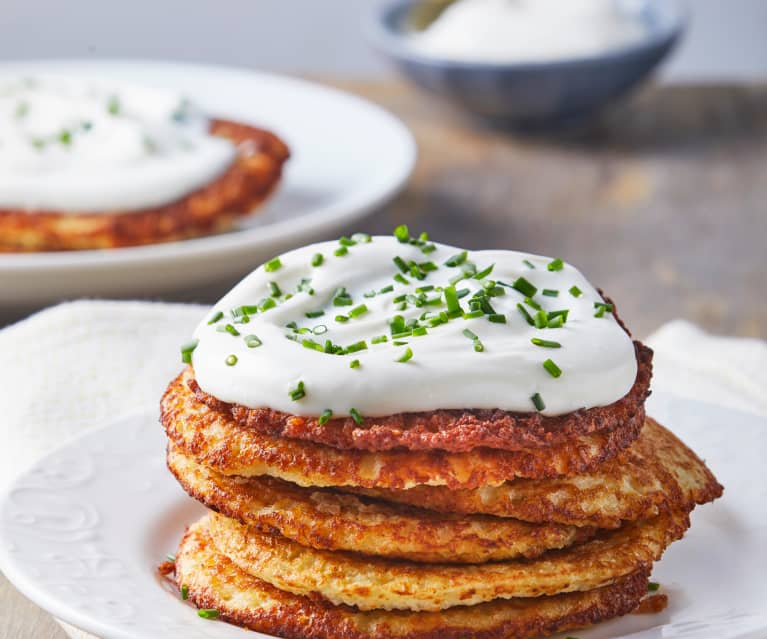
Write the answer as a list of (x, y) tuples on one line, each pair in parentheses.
[(82, 531)]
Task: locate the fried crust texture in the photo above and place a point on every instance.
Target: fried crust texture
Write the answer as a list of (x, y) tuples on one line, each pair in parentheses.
[(328, 519), (215, 582), (213, 208)]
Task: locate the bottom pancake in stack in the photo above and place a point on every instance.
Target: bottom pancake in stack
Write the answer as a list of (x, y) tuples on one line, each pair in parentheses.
[(527, 557)]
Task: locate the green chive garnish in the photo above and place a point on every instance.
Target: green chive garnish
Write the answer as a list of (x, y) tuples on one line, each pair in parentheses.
[(232, 330), (357, 346), (266, 304), (602, 308), (497, 318), (325, 417), (341, 318), (252, 341), (342, 298), (341, 251), (552, 368), (550, 292), (451, 299), (320, 329), (274, 289), (538, 402), (216, 316), (313, 314), (273, 265), (526, 315), (653, 586), (185, 592), (362, 238), (406, 356), (358, 310), (528, 263), (298, 392), (541, 319), (318, 259), (207, 613), (355, 363), (524, 287), (386, 289), (532, 304), (231, 360), (187, 350), (484, 273), (457, 260), (556, 265), (402, 233), (171, 558), (355, 414), (575, 291), (380, 339), (545, 343), (400, 264), (398, 277)]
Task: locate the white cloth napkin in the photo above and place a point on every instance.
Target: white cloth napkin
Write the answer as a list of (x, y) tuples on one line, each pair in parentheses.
[(78, 366)]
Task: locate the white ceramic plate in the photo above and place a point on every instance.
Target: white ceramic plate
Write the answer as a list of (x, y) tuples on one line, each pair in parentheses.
[(348, 158), (82, 532)]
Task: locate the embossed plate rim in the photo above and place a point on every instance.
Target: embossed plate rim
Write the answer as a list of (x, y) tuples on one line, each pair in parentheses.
[(143, 518)]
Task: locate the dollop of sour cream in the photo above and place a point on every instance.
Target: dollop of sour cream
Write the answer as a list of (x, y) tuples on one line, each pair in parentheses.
[(374, 324), (78, 145), (528, 30)]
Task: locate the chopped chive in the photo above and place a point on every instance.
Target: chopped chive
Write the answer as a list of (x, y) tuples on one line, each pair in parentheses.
[(402, 233), (533, 304), (402, 334), (232, 330), (419, 331), (473, 314), (575, 291), (400, 264), (341, 318), (216, 316), (397, 324), (369, 294), (541, 319), (356, 347), (320, 329), (428, 248), (484, 273), (252, 341), (561, 313), (406, 356), (231, 360), (653, 586), (185, 592), (355, 415), (470, 334), (526, 315), (318, 259), (342, 298), (538, 402), (313, 314), (378, 340), (463, 292), (207, 613), (187, 350), (346, 241), (528, 263), (171, 558), (552, 368), (555, 322), (550, 292), (266, 304), (298, 392), (524, 287), (386, 289), (247, 309), (497, 318), (325, 417), (312, 345), (556, 265), (602, 308), (355, 363), (341, 251), (362, 238), (113, 105), (545, 343), (358, 310), (274, 289), (451, 299), (457, 260), (272, 265), (398, 277), (425, 289)]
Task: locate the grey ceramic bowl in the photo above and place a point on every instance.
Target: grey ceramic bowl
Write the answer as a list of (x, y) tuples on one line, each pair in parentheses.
[(532, 94)]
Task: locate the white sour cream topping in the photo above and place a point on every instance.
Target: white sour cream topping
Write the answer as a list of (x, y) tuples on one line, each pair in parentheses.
[(596, 356), (528, 30), (76, 145)]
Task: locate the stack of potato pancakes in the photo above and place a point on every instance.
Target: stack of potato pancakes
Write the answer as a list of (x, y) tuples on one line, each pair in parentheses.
[(451, 523)]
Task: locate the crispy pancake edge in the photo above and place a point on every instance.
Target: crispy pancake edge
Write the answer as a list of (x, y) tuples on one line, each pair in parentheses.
[(372, 583), (331, 520), (449, 430), (656, 474), (214, 582), (219, 442), (213, 208)]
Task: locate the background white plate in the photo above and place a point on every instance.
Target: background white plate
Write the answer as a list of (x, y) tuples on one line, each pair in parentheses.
[(348, 157), (82, 532)]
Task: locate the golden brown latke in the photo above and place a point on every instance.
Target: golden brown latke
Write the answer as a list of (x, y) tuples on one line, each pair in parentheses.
[(216, 440), (211, 209), (656, 474), (372, 583), (215, 582), (450, 430), (332, 520)]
